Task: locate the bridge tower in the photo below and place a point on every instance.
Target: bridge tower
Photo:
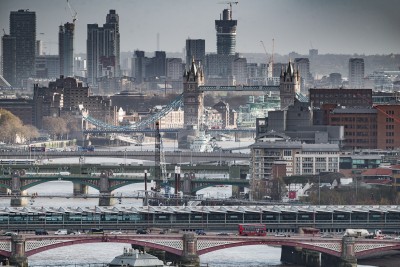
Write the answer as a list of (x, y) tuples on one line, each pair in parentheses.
[(289, 85), (193, 97)]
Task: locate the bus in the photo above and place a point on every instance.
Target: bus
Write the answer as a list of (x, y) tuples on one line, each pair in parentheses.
[(37, 149), (252, 229)]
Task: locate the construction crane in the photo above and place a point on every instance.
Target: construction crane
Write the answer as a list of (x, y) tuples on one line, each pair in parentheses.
[(74, 14), (230, 4), (271, 58)]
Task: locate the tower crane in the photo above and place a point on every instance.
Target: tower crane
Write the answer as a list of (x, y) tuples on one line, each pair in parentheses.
[(74, 14), (230, 4), (271, 58)]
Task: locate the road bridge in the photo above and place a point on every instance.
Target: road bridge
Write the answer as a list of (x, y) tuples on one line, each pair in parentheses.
[(188, 247)]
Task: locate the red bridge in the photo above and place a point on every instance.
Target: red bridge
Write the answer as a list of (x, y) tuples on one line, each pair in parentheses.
[(187, 247)]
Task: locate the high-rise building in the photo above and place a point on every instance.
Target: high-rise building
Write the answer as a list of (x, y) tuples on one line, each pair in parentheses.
[(226, 33), (103, 49), (356, 73), (303, 66), (23, 28), (66, 49), (195, 49), (9, 59)]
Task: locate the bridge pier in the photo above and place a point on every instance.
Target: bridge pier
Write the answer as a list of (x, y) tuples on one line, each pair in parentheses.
[(18, 257), (348, 258), (106, 198), (300, 256), (80, 189), (17, 199), (189, 256)]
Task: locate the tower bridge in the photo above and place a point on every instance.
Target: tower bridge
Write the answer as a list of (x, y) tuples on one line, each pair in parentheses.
[(192, 100), (186, 248)]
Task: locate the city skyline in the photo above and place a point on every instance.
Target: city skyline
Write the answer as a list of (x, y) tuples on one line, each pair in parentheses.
[(339, 27)]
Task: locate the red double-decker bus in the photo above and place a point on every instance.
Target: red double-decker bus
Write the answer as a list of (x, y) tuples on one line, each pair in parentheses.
[(252, 229)]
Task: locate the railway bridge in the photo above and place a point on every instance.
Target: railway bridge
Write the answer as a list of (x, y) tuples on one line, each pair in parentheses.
[(186, 248), (105, 182)]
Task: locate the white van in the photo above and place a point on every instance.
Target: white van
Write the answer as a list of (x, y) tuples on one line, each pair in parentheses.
[(61, 232)]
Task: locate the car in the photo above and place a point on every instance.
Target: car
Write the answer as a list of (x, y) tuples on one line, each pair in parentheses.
[(223, 234), (141, 232), (61, 232), (75, 233), (200, 232), (115, 233), (280, 235), (41, 232), (327, 236), (397, 238), (8, 234)]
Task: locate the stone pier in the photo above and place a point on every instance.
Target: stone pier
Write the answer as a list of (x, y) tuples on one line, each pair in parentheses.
[(189, 256), (18, 257), (17, 199), (106, 197), (80, 189)]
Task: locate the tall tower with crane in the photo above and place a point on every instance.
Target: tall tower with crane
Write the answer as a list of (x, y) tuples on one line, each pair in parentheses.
[(66, 44), (226, 31), (270, 62)]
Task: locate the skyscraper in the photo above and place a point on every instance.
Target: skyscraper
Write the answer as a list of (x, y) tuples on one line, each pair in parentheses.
[(9, 59), (226, 33), (103, 49), (356, 73), (23, 28), (66, 49), (195, 48), (303, 65)]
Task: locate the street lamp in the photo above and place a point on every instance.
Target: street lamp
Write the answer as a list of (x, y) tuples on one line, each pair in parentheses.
[(125, 157), (177, 178), (319, 189), (145, 188)]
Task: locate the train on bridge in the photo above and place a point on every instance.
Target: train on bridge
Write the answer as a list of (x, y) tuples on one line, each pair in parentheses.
[(277, 218)]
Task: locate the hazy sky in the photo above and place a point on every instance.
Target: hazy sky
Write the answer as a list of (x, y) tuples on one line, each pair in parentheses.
[(331, 26)]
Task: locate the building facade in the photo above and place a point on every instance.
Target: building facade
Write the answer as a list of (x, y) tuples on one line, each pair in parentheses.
[(303, 66), (195, 49), (23, 28), (66, 49), (388, 126), (226, 33), (9, 60), (103, 49), (356, 73)]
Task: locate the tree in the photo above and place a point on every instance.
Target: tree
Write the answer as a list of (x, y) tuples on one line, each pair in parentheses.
[(56, 126), (277, 188), (11, 127), (73, 124), (29, 132)]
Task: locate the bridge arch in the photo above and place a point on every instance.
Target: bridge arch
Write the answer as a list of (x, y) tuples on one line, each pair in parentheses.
[(64, 178), (100, 239), (273, 243)]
